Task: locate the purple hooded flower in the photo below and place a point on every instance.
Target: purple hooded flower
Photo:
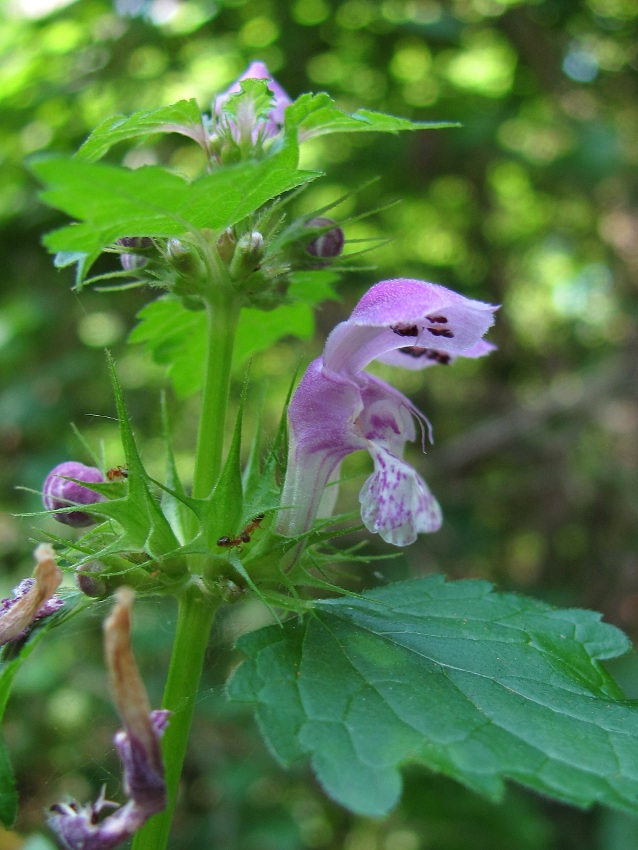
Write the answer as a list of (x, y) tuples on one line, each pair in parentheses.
[(339, 408), (85, 827), (60, 492), (248, 125)]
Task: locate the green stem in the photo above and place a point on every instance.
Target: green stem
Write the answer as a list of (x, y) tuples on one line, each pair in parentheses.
[(194, 619), (196, 612), (223, 313)]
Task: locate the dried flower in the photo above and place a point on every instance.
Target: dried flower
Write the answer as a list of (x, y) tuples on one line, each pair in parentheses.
[(33, 598), (80, 827)]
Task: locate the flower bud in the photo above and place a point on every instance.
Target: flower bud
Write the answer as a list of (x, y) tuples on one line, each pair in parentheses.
[(186, 261), (132, 262), (59, 492), (135, 242), (91, 585), (226, 245), (329, 243), (248, 255)]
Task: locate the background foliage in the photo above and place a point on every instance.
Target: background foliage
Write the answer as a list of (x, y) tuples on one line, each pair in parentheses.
[(532, 203)]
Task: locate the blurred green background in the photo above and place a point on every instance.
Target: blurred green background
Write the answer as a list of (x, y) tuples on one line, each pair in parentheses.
[(532, 204)]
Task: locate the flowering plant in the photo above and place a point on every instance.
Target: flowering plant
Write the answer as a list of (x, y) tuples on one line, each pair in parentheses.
[(478, 685)]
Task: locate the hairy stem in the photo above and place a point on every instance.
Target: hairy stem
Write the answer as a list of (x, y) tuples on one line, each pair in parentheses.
[(196, 611), (223, 313)]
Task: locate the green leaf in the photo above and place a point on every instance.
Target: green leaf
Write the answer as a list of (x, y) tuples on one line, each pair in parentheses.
[(318, 115), (110, 202), (138, 512), (223, 509), (477, 685), (8, 791), (176, 337), (184, 118)]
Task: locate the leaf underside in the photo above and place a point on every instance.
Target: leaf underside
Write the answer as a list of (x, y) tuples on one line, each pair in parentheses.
[(477, 685)]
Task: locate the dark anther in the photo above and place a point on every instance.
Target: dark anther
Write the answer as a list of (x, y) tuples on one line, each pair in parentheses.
[(440, 357), (429, 353), (437, 320), (414, 351), (441, 332), (59, 809), (405, 330)]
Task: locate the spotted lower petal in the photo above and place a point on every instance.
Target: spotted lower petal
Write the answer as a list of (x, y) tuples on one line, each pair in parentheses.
[(395, 501)]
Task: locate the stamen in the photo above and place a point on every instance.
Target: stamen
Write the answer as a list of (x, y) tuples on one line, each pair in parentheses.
[(441, 332), (437, 320)]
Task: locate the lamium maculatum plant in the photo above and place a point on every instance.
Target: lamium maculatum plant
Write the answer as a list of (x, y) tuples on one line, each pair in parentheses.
[(475, 684)]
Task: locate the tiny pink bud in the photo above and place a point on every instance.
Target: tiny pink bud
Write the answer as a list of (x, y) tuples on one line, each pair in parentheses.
[(329, 243), (88, 579), (135, 242), (132, 262), (59, 492)]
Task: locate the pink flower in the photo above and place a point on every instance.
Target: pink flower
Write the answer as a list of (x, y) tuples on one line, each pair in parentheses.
[(339, 408)]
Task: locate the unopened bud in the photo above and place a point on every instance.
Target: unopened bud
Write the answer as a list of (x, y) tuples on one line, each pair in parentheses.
[(186, 262), (328, 244), (132, 262), (59, 492), (248, 255), (226, 245), (137, 243), (91, 585)]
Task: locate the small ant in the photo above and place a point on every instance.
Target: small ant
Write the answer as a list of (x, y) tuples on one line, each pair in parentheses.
[(243, 536), (117, 473)]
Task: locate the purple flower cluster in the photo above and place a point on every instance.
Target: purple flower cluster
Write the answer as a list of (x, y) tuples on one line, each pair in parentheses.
[(247, 126), (339, 408)]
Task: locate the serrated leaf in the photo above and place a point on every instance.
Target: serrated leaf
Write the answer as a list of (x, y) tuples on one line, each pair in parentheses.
[(477, 685), (110, 202), (138, 512), (176, 337), (183, 117), (223, 508), (318, 115)]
